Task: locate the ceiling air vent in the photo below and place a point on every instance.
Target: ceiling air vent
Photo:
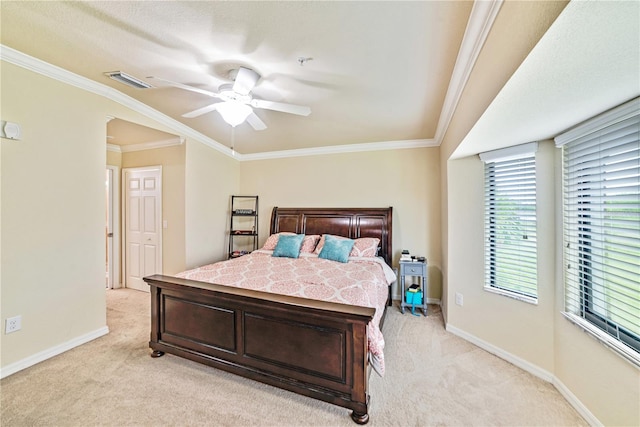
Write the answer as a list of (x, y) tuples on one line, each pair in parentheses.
[(127, 80)]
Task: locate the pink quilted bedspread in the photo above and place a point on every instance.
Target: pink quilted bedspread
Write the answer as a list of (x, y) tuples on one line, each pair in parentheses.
[(361, 281)]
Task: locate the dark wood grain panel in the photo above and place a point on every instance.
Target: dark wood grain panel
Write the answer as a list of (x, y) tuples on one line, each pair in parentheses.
[(185, 321), (339, 225), (319, 351)]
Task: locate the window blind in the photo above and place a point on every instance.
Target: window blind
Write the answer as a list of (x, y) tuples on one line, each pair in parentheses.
[(510, 226), (602, 229)]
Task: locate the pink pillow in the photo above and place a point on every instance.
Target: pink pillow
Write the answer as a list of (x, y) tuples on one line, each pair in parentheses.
[(365, 247), (272, 241), (362, 247), (308, 243)]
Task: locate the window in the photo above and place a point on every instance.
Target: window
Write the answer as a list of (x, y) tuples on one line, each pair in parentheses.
[(601, 162), (510, 222)]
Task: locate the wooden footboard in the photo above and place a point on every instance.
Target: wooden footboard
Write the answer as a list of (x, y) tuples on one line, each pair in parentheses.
[(314, 348)]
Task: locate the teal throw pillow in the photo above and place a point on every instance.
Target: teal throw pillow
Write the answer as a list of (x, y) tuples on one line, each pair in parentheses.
[(336, 249), (288, 246)]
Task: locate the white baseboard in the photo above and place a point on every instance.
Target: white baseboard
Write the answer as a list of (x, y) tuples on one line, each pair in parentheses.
[(520, 363), (575, 402), (51, 352), (532, 369)]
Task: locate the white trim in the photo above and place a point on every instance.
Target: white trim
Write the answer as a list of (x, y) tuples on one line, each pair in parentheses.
[(481, 19), (532, 369), (113, 147), (51, 352), (41, 67), (115, 217), (605, 339), (511, 294), (510, 153), (33, 64), (151, 145), (497, 351), (575, 403), (615, 115), (146, 145), (483, 14), (38, 66), (337, 149)]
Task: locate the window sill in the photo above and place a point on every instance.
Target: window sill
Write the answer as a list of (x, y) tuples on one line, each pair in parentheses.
[(516, 296), (605, 339)]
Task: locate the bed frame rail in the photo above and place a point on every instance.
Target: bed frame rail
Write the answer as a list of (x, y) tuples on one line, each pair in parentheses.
[(255, 334)]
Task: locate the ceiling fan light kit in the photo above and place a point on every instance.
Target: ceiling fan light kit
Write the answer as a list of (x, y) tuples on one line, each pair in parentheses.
[(234, 112), (237, 102)]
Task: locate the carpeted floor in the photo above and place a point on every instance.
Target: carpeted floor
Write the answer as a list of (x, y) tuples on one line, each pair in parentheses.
[(433, 378)]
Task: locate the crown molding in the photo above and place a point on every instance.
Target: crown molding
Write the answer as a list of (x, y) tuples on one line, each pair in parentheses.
[(483, 15), (152, 145), (38, 66), (338, 149), (113, 147)]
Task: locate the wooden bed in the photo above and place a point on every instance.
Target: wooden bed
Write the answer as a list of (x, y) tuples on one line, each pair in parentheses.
[(314, 348)]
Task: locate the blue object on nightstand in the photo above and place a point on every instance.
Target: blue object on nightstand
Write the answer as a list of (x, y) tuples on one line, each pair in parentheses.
[(413, 298)]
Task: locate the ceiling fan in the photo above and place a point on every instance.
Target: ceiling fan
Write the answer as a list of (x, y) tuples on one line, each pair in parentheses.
[(237, 102)]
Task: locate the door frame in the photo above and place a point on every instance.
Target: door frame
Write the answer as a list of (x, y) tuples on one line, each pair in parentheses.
[(124, 218), (114, 212)]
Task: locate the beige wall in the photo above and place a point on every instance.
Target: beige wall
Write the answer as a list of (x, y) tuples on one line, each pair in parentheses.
[(601, 383), (521, 329), (53, 211), (597, 381), (517, 29), (407, 180), (53, 214), (172, 160), (114, 158), (210, 180), (537, 337)]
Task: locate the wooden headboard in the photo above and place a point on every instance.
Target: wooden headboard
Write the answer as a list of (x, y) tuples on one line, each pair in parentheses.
[(348, 222)]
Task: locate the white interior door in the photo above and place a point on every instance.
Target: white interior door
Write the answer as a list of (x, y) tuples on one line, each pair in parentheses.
[(143, 239)]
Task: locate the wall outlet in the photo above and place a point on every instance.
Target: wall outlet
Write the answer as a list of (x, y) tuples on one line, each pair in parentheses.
[(459, 299), (13, 324)]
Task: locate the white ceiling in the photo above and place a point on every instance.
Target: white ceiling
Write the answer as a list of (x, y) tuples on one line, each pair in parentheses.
[(382, 72)]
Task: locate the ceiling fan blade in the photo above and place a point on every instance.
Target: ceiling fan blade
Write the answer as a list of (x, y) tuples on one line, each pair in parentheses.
[(279, 106), (200, 111), (255, 122), (186, 87), (246, 80)]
